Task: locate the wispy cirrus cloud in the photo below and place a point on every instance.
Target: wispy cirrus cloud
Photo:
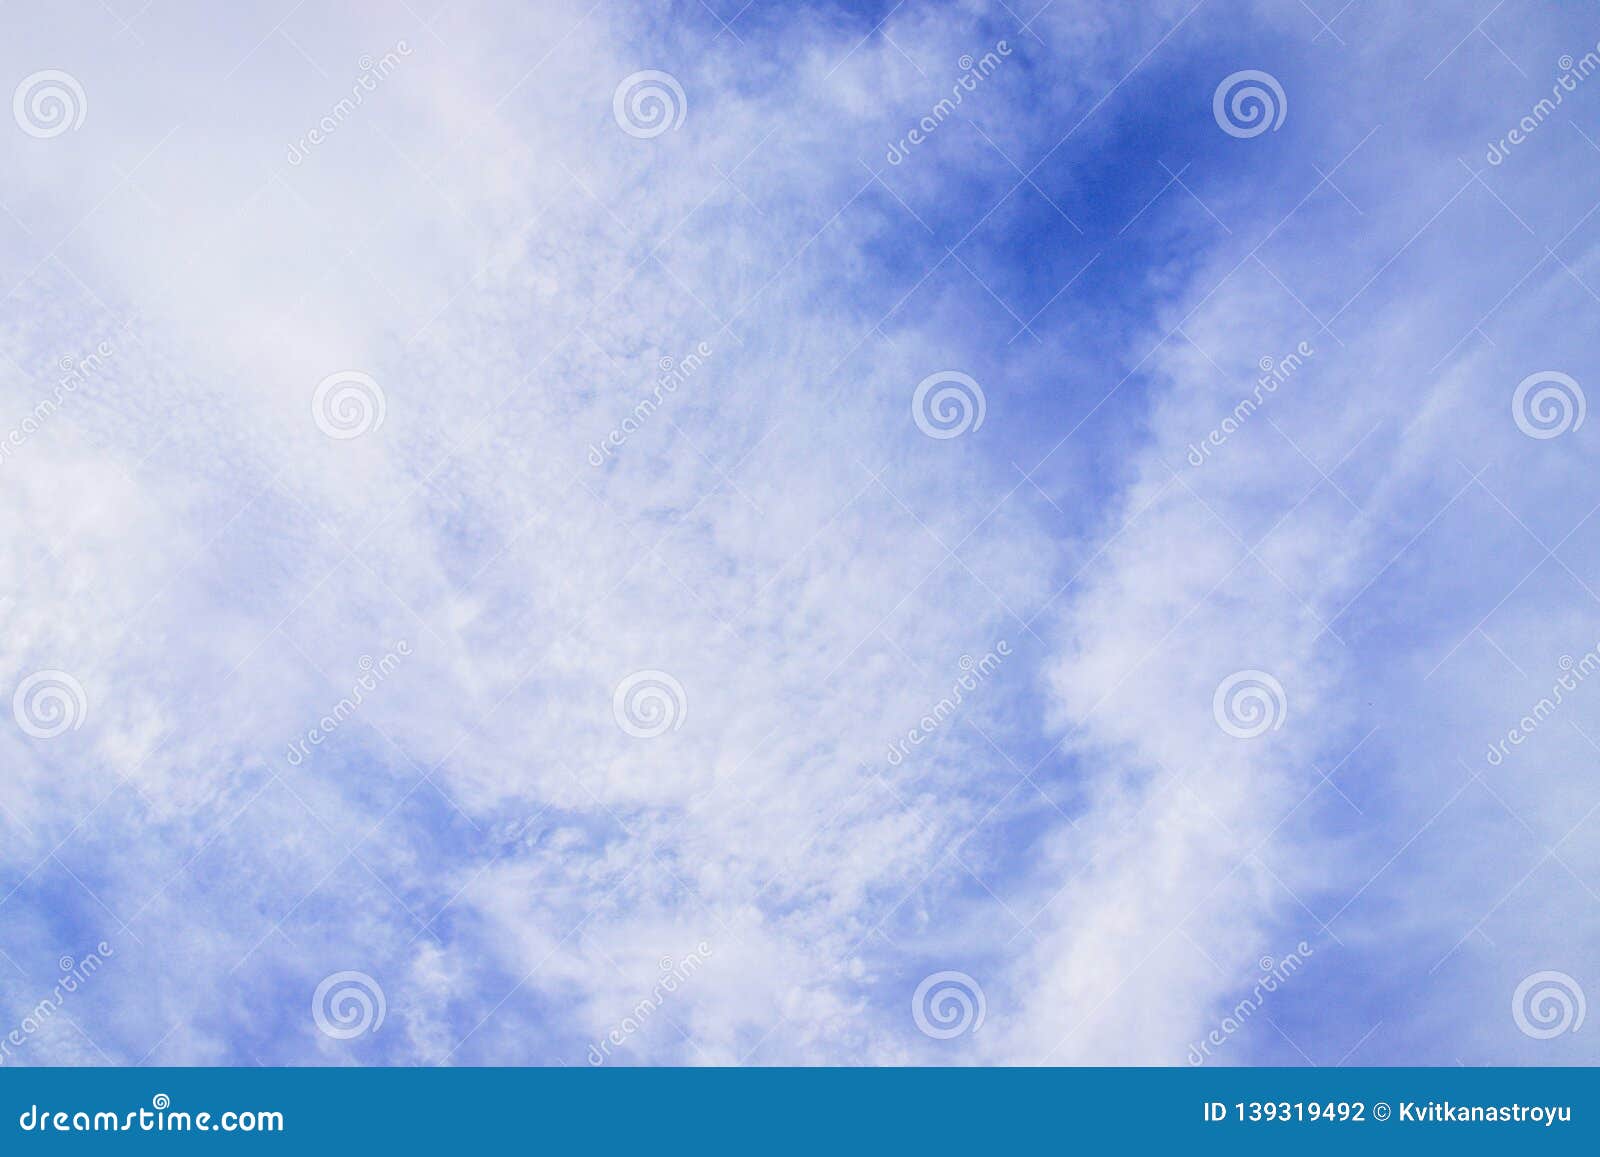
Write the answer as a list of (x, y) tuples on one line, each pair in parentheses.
[(645, 703)]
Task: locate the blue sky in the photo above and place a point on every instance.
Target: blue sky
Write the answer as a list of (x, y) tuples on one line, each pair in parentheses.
[(327, 422)]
